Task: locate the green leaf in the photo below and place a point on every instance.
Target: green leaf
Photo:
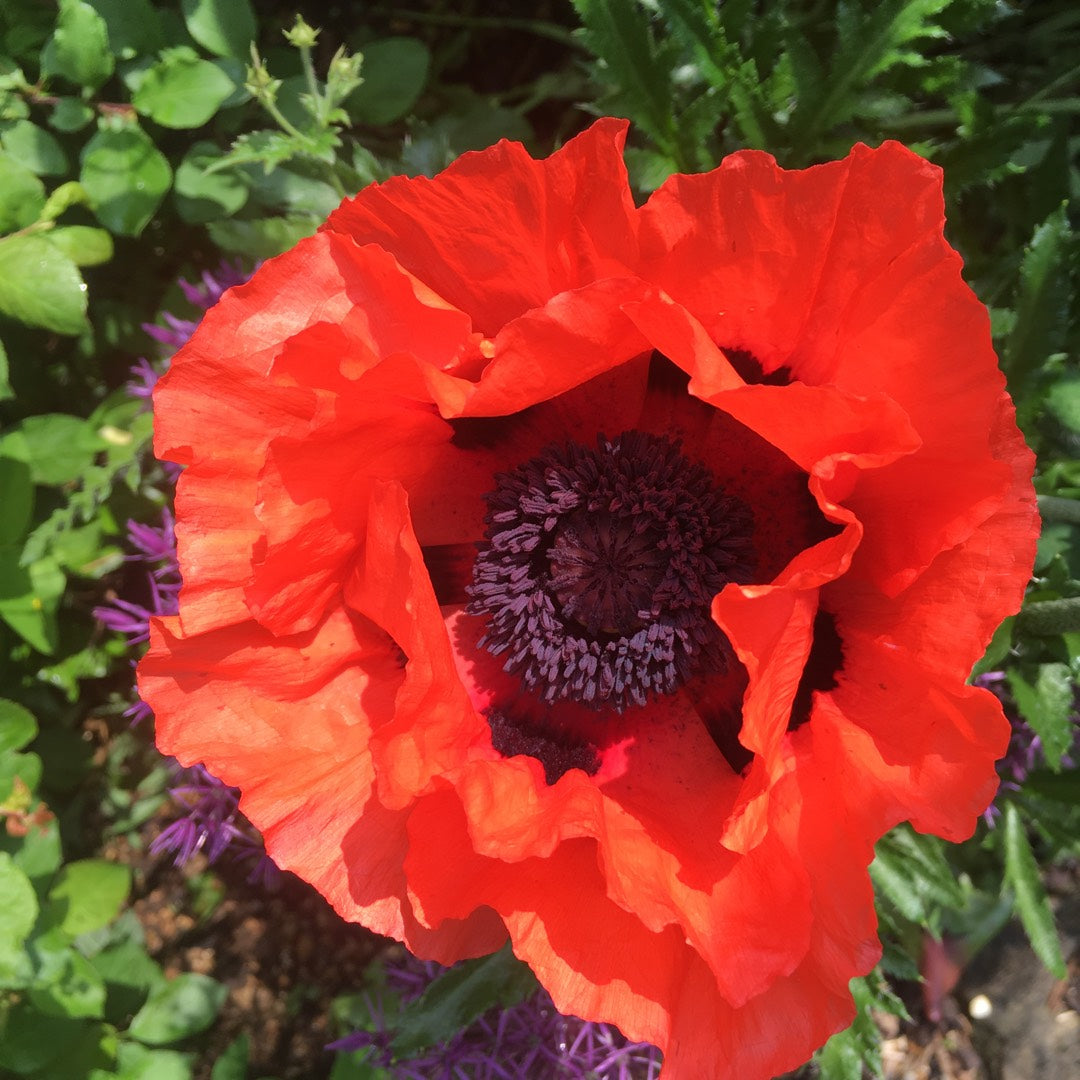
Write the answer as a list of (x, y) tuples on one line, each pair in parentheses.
[(134, 26), (225, 27), (1032, 905), (22, 195), (25, 767), (125, 177), (83, 244), (202, 196), (58, 447), (262, 238), (17, 726), (70, 114), (129, 975), (233, 1062), (136, 1062), (18, 908), (79, 991), (17, 499), (6, 393), (459, 996), (181, 90), (79, 48), (1047, 705), (40, 285), (37, 853), (29, 597), (30, 1040), (1063, 401), (911, 871), (395, 70), (178, 1008), (1042, 307), (35, 148), (88, 894)]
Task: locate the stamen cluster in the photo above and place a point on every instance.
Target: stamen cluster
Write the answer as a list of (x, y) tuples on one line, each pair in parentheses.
[(599, 568)]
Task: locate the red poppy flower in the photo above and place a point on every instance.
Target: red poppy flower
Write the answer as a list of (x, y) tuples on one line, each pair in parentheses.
[(601, 576)]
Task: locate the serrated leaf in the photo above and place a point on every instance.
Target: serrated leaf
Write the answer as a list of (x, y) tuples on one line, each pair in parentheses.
[(1047, 705), (1042, 306), (225, 27), (911, 871), (181, 90), (395, 70), (79, 48), (40, 285), (17, 726), (178, 1008), (459, 996), (125, 177), (87, 894), (1032, 905)]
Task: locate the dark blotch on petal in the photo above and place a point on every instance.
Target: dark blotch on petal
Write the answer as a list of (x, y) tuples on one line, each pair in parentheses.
[(557, 753), (822, 667), (749, 368)]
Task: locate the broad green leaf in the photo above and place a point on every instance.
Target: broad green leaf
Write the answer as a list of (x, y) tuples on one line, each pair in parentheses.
[(30, 1040), (79, 48), (129, 975), (78, 992), (182, 91), (1062, 787), (35, 148), (17, 499), (1032, 905), (40, 285), (134, 26), (292, 191), (202, 196), (6, 393), (87, 894), (18, 905), (459, 996), (178, 1008), (17, 726), (1042, 307), (29, 597), (262, 238), (37, 853), (58, 447), (22, 194), (61, 199), (83, 244), (395, 70), (1047, 705), (233, 1062), (126, 178), (15, 768), (225, 27), (135, 1062), (70, 114), (1063, 401)]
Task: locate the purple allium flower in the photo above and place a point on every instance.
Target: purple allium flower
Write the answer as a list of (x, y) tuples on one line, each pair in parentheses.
[(212, 822), (528, 1039), (1025, 751)]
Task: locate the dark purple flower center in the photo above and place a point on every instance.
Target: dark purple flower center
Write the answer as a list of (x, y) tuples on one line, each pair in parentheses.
[(599, 567)]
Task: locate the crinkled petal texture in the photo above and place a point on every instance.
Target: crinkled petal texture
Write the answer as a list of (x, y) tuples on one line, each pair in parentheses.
[(807, 337)]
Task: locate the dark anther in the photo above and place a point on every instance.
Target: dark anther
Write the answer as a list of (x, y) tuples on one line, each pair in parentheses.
[(749, 368), (822, 668), (558, 754), (599, 569)]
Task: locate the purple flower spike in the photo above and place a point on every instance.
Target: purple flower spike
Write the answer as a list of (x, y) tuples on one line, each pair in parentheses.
[(529, 1039)]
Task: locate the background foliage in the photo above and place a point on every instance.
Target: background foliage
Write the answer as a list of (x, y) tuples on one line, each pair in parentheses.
[(140, 141)]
